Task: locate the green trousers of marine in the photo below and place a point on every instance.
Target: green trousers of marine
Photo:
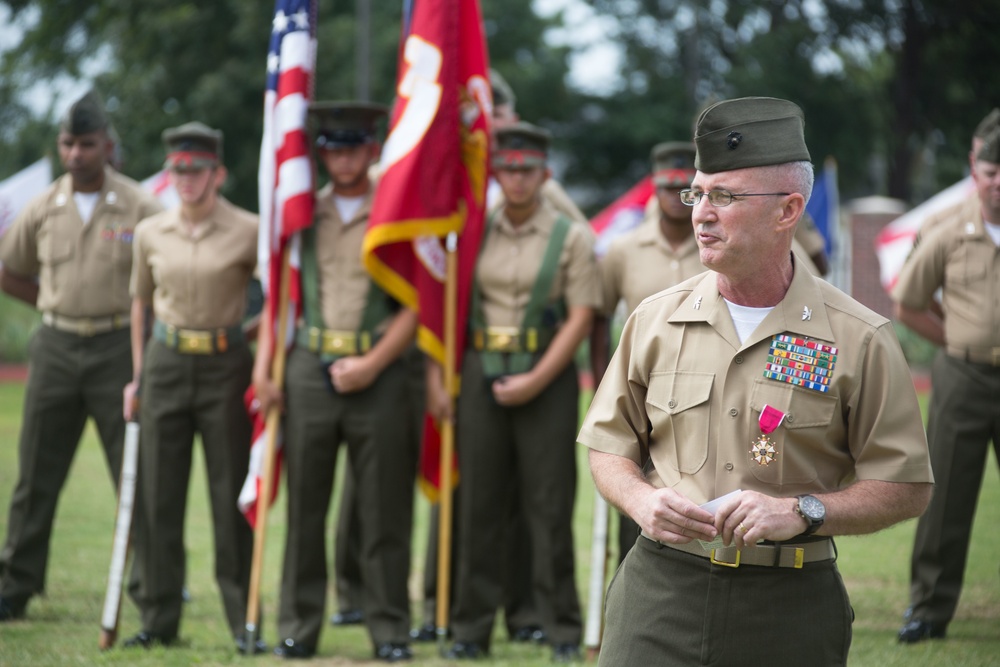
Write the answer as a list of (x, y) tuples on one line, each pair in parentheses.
[(183, 394), (964, 416), (70, 378), (374, 423), (534, 444), (670, 608)]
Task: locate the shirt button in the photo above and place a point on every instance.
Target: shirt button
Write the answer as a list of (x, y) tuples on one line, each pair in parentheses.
[(729, 466), (733, 412), (739, 359), (789, 418), (671, 403)]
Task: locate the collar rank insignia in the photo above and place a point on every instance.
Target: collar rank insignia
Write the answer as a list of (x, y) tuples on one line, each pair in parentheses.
[(802, 362)]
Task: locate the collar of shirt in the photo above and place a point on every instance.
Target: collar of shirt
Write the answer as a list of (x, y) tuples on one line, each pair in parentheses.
[(802, 311), (542, 221)]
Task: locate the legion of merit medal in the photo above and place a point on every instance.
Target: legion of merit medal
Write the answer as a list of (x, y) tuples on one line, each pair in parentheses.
[(763, 451)]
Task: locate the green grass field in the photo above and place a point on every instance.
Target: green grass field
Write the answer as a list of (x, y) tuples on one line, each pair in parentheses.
[(63, 627)]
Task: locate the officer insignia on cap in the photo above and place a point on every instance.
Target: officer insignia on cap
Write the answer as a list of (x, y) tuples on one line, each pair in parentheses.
[(733, 140)]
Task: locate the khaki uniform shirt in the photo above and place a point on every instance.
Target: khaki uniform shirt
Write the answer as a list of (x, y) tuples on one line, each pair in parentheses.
[(343, 280), (966, 210), (641, 263), (199, 280), (808, 236), (960, 257), (683, 385), (83, 269), (511, 258)]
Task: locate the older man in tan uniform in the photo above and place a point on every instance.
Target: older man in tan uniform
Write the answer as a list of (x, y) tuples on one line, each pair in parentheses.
[(346, 382), (192, 267), (960, 258), (75, 240), (766, 392)]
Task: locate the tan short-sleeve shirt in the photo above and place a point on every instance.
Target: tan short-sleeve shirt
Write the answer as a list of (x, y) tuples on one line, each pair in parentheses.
[(552, 191), (511, 258), (641, 262), (809, 237), (968, 209), (82, 269), (959, 257), (196, 280), (683, 385), (343, 280)]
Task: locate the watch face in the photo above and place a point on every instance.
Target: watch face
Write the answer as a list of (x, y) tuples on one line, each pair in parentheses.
[(812, 508)]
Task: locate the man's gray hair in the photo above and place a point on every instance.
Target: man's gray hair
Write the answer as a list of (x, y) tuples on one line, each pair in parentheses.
[(793, 176)]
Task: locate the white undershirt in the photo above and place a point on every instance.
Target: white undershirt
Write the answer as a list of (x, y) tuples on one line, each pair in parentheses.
[(993, 230), (348, 207), (86, 202), (745, 318)]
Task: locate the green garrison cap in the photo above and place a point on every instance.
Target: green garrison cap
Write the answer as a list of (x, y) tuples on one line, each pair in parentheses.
[(673, 164), (521, 145), (342, 124), (502, 92), (749, 132), (987, 124), (192, 146), (86, 115), (990, 152)]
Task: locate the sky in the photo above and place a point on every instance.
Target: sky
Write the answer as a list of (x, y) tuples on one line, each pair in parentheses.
[(595, 63)]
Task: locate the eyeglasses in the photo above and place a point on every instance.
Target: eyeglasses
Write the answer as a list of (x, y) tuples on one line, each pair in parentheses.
[(720, 197)]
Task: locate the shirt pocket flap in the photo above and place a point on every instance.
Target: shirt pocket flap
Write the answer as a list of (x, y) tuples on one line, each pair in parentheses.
[(803, 408), (677, 391)]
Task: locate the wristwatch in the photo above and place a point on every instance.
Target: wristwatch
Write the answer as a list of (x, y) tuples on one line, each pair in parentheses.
[(813, 511)]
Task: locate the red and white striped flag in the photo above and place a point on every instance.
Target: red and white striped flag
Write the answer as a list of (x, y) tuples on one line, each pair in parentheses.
[(285, 181)]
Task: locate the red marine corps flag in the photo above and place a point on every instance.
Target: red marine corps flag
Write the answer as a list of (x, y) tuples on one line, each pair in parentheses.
[(433, 181)]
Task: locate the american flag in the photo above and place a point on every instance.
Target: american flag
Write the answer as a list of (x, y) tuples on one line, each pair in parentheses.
[(285, 181)]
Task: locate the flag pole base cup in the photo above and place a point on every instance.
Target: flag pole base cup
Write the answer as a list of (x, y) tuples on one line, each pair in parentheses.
[(250, 639)]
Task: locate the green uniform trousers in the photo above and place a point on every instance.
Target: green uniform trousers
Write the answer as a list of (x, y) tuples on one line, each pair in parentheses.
[(532, 446), (183, 394), (374, 424), (964, 416), (347, 536), (673, 609), (70, 378)]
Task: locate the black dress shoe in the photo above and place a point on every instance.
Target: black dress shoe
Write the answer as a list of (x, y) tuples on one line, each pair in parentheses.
[(393, 652), (425, 633), (530, 633), (349, 617), (146, 640), (566, 653), (919, 630), (12, 608), (292, 650), (241, 645), (465, 651)]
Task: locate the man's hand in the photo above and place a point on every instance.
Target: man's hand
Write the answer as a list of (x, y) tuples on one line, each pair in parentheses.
[(352, 374), (752, 517), (130, 400), (513, 390), (667, 516), (267, 394)]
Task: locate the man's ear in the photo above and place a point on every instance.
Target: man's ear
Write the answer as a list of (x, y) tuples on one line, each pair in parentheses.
[(791, 210)]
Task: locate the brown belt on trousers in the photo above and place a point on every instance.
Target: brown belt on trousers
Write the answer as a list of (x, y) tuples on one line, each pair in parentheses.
[(197, 341), (977, 355), (86, 326), (766, 555)]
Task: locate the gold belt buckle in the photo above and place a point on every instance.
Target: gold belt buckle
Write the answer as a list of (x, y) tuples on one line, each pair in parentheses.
[(724, 563), (194, 342), (85, 327), (503, 339), (800, 555), (222, 341), (339, 342)]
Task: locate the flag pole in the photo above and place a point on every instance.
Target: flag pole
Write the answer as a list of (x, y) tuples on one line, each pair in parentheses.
[(447, 444), (598, 569), (271, 435)]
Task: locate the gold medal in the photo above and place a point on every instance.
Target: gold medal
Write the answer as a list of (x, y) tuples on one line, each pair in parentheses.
[(762, 451)]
